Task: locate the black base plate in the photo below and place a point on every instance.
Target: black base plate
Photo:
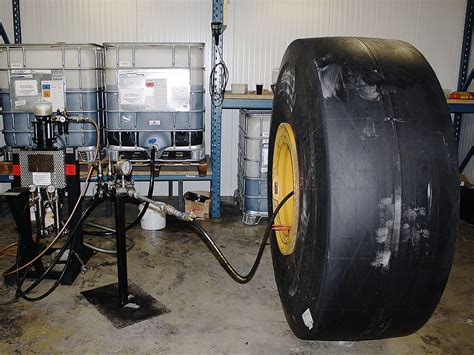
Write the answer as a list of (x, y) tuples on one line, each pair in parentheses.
[(141, 305)]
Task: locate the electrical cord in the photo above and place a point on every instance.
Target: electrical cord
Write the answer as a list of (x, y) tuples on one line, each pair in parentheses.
[(112, 231), (3, 251), (217, 90), (242, 279)]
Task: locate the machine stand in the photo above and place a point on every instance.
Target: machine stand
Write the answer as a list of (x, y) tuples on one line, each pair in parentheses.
[(123, 304), (121, 250), (18, 200)]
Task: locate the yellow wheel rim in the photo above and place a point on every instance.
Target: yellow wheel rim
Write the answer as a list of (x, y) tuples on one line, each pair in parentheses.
[(285, 178)]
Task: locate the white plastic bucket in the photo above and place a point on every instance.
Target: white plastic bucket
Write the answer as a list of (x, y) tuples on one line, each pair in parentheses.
[(153, 219)]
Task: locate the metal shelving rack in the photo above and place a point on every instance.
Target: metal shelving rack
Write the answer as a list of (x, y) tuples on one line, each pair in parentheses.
[(463, 66), (16, 21), (457, 107), (216, 116)]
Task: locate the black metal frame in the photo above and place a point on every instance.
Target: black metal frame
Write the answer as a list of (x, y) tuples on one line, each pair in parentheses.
[(3, 34)]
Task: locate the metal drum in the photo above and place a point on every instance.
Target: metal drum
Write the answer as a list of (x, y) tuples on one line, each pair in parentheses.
[(155, 97), (251, 193), (70, 76)]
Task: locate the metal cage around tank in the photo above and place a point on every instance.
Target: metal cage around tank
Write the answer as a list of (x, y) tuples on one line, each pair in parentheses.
[(68, 75), (252, 187), (155, 96)]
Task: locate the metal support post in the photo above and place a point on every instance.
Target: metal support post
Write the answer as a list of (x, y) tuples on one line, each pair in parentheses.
[(180, 196), (463, 67), (73, 183), (216, 118), (16, 21), (121, 249)]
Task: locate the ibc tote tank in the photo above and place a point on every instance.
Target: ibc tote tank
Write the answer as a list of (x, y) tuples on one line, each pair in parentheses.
[(70, 76), (155, 96)]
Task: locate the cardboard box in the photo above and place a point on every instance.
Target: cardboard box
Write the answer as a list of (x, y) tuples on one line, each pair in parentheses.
[(200, 209), (239, 89)]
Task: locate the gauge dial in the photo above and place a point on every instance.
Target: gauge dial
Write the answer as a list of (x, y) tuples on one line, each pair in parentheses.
[(123, 167)]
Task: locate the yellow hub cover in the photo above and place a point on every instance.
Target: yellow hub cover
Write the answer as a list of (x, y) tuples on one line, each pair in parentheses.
[(285, 178)]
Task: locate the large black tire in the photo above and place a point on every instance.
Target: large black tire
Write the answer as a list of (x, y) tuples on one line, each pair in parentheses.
[(376, 188)]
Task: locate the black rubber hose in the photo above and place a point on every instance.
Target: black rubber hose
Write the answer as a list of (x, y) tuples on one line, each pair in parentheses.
[(110, 230), (86, 212), (242, 279)]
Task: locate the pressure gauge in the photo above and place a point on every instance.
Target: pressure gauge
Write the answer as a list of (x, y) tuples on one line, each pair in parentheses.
[(123, 167), (32, 188), (51, 189)]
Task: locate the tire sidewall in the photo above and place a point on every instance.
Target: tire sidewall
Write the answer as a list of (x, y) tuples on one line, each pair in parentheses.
[(299, 275)]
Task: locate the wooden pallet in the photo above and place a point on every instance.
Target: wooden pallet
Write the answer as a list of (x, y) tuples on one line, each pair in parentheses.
[(198, 168), (6, 168)]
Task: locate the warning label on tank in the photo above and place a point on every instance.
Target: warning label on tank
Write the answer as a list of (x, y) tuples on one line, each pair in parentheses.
[(155, 90), (46, 89), (264, 157), (26, 88), (57, 93), (131, 97)]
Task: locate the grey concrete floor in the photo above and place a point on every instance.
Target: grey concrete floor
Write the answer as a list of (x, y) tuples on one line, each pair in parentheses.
[(210, 313)]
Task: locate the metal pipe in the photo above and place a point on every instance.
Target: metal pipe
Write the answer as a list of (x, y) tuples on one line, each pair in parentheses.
[(163, 207), (121, 249)]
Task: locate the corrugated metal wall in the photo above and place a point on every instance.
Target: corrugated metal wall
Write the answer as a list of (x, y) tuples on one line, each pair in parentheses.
[(257, 34)]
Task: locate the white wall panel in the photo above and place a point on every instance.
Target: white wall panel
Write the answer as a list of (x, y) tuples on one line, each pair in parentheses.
[(257, 35)]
